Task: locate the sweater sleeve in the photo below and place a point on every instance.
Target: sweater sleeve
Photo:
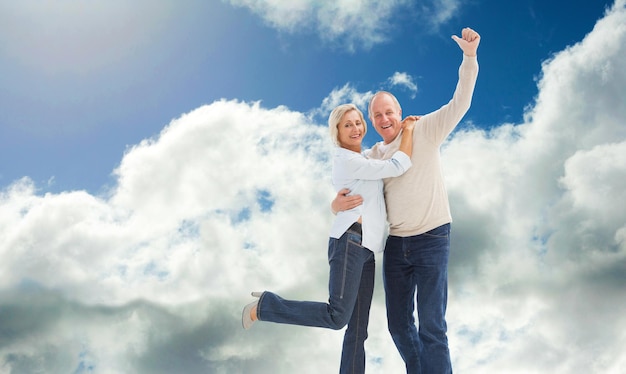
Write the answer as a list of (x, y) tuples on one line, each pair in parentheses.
[(440, 123)]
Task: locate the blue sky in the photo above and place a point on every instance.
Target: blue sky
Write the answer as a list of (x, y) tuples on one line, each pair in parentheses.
[(82, 83), (161, 160)]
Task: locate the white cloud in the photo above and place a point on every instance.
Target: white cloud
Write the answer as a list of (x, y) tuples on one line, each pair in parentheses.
[(404, 80), (345, 94), (233, 197), (594, 182), (219, 179), (352, 23)]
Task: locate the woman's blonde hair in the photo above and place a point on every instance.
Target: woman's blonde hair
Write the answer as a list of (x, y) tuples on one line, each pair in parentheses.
[(335, 118)]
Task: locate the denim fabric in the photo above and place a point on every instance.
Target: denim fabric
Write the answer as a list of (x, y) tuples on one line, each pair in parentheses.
[(351, 286), (415, 271)]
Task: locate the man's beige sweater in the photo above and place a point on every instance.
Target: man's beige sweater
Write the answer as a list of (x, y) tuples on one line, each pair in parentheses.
[(417, 201)]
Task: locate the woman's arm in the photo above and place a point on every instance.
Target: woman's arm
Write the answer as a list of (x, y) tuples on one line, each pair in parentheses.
[(406, 143)]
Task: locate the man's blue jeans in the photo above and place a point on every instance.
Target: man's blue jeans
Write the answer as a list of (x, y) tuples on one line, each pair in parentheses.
[(415, 271), (351, 287)]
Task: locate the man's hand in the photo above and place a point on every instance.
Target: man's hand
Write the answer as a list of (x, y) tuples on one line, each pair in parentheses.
[(468, 41), (344, 202)]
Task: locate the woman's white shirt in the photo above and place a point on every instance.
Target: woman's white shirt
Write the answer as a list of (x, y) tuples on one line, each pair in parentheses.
[(363, 176)]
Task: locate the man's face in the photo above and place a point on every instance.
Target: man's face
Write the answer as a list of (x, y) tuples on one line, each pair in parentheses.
[(386, 117)]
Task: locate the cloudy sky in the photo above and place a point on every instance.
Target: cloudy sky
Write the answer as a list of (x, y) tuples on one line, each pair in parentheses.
[(160, 160)]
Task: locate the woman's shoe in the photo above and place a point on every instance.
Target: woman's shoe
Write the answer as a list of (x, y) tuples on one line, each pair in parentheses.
[(257, 294), (246, 320)]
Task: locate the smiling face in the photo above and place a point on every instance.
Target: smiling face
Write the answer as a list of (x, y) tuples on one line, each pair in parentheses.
[(351, 130), (386, 116)]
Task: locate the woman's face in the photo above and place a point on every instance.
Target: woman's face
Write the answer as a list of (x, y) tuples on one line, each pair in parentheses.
[(351, 130)]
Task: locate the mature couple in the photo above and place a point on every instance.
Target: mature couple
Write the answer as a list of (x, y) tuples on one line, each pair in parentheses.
[(406, 167)]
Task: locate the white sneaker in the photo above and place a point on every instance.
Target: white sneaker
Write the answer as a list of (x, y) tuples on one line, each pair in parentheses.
[(246, 321)]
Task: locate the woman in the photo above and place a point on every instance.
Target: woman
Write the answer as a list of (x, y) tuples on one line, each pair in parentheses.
[(354, 237)]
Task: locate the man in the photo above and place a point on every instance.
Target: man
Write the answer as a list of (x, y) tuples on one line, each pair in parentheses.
[(415, 262)]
